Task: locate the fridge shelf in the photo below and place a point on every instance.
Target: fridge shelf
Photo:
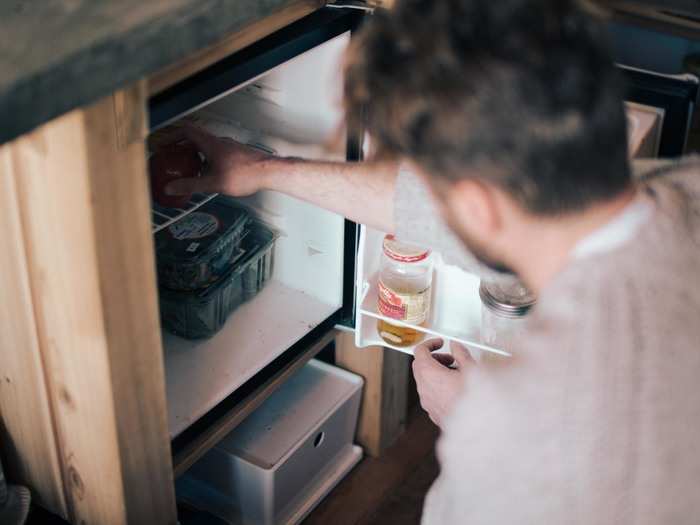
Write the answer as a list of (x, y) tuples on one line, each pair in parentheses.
[(162, 217), (467, 333), (201, 373)]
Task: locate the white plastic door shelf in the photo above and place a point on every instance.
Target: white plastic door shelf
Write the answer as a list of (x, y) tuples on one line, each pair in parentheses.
[(456, 307)]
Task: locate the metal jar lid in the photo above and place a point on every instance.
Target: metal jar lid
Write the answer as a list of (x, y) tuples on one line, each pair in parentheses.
[(508, 299), (403, 251)]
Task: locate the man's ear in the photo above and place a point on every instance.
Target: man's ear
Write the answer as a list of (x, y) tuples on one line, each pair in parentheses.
[(474, 206)]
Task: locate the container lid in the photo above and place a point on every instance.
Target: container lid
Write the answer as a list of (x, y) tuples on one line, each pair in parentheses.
[(257, 239), (294, 410), (509, 298), (403, 251), (199, 236)]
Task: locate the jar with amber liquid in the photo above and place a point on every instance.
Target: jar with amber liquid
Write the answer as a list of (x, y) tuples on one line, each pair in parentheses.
[(404, 290)]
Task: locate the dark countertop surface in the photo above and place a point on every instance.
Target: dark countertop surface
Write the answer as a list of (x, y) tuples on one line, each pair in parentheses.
[(56, 55)]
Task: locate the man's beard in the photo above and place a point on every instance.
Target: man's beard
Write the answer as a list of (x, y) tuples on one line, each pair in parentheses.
[(479, 252), (474, 247), (485, 260)]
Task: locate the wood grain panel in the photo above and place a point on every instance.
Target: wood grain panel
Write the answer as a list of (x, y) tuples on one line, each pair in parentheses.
[(27, 437), (253, 32), (84, 202), (385, 398), (121, 210)]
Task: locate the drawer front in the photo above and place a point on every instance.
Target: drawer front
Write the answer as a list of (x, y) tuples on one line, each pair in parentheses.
[(319, 450)]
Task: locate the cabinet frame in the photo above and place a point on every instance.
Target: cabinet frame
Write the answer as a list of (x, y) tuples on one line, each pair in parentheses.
[(211, 83)]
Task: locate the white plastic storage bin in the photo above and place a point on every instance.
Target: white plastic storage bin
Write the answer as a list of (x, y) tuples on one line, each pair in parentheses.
[(279, 463)]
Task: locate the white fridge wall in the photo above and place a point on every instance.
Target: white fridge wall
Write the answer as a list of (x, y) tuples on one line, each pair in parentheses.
[(309, 252), (294, 111), (299, 101)]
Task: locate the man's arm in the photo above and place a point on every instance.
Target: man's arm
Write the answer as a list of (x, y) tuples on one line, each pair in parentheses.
[(362, 192), (377, 194)]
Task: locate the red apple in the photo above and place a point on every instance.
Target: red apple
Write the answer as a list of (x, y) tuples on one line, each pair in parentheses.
[(176, 161)]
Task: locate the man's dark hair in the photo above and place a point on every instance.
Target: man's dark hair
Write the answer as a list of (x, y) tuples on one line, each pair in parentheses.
[(521, 92)]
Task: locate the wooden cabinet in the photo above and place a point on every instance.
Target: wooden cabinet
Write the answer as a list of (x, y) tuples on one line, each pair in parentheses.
[(82, 387), (83, 339)]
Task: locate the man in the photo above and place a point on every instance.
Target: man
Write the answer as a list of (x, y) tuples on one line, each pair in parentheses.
[(509, 115)]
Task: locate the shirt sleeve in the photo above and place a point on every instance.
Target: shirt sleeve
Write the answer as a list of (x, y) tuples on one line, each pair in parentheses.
[(417, 219)]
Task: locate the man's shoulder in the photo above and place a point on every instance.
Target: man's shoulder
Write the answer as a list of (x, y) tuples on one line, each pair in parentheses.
[(653, 171)]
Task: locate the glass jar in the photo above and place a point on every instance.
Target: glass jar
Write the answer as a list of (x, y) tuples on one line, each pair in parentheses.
[(504, 305), (404, 290)]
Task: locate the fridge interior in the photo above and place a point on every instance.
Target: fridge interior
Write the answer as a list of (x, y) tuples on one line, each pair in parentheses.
[(293, 110)]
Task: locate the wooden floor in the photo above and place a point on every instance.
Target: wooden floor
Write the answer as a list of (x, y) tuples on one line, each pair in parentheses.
[(389, 489)]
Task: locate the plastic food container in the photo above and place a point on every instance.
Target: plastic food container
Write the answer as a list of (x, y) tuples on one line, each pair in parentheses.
[(196, 251), (201, 313), (503, 311)]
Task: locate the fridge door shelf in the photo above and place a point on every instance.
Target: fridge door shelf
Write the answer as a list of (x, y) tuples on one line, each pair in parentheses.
[(455, 313), (445, 324)]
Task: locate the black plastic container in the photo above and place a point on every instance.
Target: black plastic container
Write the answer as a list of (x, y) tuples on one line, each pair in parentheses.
[(201, 313), (198, 250)]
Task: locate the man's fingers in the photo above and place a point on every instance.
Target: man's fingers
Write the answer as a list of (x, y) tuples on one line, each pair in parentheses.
[(461, 355), (444, 359), (208, 184), (424, 356), (423, 350), (205, 141)]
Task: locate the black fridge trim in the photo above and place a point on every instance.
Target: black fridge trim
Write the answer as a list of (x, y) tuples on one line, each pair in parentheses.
[(676, 96), (250, 62), (355, 135)]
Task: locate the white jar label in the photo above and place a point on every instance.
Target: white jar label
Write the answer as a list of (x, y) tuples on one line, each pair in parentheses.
[(410, 308), (195, 226)]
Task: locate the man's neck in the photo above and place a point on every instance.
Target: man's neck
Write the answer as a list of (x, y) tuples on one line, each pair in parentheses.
[(540, 261)]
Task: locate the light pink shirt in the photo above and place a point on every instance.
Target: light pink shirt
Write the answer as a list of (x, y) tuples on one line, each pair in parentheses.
[(596, 419)]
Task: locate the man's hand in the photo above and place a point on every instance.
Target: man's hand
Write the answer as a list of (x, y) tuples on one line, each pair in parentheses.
[(232, 168), (361, 191), (439, 377)]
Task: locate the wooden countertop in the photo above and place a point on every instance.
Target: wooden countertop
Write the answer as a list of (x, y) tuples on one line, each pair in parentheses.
[(57, 55)]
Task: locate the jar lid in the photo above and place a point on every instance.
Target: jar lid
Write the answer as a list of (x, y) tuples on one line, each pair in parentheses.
[(404, 252), (507, 298)]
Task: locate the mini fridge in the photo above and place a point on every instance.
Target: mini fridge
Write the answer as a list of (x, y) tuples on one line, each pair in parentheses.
[(283, 94)]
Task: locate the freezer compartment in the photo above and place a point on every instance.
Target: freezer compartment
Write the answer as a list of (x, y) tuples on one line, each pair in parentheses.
[(293, 110), (456, 307)]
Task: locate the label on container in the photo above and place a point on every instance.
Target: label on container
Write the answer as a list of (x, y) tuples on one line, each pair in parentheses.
[(195, 226), (410, 308)]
